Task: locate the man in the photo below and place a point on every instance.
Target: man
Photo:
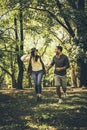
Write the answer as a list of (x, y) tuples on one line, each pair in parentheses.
[(61, 63)]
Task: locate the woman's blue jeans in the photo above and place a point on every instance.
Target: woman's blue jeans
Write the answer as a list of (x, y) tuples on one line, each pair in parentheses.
[(37, 77)]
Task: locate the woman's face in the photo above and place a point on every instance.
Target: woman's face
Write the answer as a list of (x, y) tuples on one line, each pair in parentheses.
[(36, 52)]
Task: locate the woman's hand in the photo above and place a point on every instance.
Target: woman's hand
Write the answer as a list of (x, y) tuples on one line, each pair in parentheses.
[(29, 74), (47, 71)]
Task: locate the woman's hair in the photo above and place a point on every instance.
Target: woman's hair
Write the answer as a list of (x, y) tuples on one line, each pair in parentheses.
[(32, 54)]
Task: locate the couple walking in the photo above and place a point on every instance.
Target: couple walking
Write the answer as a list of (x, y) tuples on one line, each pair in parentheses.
[(36, 68)]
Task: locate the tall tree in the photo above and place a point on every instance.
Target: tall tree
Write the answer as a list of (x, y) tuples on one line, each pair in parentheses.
[(71, 16), (20, 63)]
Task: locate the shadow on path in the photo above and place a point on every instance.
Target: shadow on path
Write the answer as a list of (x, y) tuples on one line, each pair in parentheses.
[(20, 111)]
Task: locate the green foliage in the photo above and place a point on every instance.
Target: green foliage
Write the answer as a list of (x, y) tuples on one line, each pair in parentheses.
[(45, 22)]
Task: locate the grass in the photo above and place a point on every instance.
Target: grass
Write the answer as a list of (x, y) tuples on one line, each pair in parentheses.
[(20, 111)]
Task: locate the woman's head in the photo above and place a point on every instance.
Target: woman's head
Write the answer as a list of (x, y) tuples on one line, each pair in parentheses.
[(34, 52)]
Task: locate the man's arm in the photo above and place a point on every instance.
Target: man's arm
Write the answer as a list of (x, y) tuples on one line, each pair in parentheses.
[(67, 64), (49, 67)]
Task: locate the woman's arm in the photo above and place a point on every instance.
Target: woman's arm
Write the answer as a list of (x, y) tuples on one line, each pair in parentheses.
[(25, 58)]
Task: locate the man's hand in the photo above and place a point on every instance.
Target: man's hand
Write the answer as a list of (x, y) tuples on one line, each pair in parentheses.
[(47, 71), (60, 68)]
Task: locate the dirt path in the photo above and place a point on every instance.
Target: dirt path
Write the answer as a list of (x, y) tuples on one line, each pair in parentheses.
[(20, 111)]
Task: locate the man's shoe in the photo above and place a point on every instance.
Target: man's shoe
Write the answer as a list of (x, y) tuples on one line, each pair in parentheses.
[(38, 97), (60, 101), (64, 95)]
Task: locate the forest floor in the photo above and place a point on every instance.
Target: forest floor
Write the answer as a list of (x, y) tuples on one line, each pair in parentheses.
[(20, 111)]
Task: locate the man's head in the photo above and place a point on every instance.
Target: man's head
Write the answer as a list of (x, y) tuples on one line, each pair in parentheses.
[(58, 50)]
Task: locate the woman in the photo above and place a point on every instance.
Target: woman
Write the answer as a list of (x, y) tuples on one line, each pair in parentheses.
[(36, 69)]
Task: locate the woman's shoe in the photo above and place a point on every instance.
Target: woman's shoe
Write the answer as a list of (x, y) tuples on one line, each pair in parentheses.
[(38, 97)]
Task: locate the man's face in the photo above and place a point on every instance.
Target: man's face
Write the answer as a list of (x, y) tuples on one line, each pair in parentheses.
[(57, 51)]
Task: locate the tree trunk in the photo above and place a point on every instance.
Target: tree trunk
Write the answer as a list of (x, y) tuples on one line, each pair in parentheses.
[(81, 4), (20, 63), (19, 48), (73, 77), (86, 6), (82, 31), (29, 82), (20, 74), (83, 73), (14, 84), (12, 70)]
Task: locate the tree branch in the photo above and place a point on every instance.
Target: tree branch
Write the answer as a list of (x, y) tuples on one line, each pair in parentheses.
[(54, 34), (69, 28), (44, 50), (51, 14), (5, 70), (61, 42)]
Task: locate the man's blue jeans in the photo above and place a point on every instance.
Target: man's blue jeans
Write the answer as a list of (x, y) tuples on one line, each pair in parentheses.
[(37, 77)]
